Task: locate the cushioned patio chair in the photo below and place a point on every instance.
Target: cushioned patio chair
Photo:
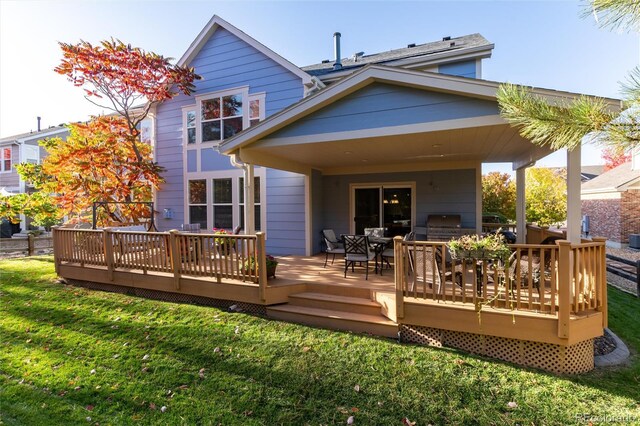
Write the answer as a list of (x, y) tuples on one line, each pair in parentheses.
[(388, 252), (357, 250), (331, 245), (424, 267)]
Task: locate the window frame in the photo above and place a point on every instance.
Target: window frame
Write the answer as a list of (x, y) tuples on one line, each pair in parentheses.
[(189, 204), (243, 91)]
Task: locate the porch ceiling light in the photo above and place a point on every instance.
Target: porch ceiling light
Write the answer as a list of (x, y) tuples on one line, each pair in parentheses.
[(436, 145), (348, 153)]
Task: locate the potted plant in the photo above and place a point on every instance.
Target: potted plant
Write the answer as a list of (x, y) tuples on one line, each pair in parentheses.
[(491, 246), (250, 266), (223, 244)]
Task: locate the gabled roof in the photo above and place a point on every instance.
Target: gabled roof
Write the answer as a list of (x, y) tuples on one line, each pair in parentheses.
[(617, 179), (217, 22), (475, 88), (418, 54)]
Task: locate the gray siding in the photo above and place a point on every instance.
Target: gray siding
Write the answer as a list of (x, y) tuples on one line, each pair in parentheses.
[(285, 213), (385, 105), (224, 62), (462, 69), (437, 192)]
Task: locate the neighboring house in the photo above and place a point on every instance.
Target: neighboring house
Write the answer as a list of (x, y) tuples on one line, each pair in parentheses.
[(612, 202), (380, 140), (24, 148)]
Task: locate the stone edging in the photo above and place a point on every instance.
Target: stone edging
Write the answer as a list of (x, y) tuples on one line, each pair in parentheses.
[(617, 357)]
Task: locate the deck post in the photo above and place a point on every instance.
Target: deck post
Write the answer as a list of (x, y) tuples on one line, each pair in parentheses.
[(176, 257), (55, 235), (30, 244), (602, 279), (262, 266), (107, 235), (564, 287), (398, 255), (521, 210)]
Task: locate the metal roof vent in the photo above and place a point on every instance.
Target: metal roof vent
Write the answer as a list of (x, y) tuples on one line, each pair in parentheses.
[(357, 55), (447, 38), (336, 46), (411, 45), (326, 61), (453, 43)]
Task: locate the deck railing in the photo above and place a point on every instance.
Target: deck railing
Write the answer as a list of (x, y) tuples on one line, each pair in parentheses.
[(560, 280), (230, 257)]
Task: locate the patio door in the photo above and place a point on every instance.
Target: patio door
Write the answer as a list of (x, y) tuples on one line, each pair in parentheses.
[(390, 206)]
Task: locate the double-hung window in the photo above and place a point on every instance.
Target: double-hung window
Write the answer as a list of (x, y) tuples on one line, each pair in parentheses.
[(223, 203), (5, 159), (198, 202)]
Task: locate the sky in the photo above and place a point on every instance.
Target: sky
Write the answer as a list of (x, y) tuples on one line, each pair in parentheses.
[(544, 43)]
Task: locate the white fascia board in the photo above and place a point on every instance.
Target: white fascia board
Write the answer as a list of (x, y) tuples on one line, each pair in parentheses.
[(214, 23), (42, 135), (469, 87)]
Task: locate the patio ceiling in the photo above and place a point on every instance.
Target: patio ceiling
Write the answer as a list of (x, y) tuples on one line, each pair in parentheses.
[(454, 148)]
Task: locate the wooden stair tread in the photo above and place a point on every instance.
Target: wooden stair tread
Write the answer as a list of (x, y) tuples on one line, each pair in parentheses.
[(335, 298), (331, 314)]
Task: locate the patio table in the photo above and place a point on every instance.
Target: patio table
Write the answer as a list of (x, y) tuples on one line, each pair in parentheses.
[(379, 244)]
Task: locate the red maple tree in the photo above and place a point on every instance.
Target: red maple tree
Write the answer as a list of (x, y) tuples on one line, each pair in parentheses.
[(614, 157)]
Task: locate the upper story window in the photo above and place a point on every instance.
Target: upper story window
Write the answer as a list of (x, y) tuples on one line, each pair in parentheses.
[(5, 159), (219, 116), (31, 154)]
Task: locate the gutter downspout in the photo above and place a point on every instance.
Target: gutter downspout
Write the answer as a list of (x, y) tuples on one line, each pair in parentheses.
[(248, 191)]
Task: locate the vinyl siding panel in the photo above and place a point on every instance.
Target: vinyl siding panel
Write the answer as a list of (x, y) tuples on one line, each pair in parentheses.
[(224, 62), (385, 105), (462, 69), (285, 213)]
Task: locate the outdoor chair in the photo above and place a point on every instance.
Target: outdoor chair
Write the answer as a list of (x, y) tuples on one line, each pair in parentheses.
[(374, 232), (357, 250), (423, 264), (191, 227), (457, 271), (332, 245), (389, 251)]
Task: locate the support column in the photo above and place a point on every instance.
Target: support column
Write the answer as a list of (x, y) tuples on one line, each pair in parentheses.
[(574, 209), (521, 206), (249, 197)]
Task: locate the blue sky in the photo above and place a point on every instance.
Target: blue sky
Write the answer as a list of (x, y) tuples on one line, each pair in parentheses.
[(544, 44)]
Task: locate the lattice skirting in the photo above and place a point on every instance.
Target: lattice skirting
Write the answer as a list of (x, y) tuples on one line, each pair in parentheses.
[(249, 308), (558, 359)]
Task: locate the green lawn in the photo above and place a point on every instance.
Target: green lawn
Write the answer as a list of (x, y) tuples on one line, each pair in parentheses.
[(75, 356)]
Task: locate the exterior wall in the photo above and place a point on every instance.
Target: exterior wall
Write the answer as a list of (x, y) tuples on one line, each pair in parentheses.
[(316, 211), (462, 69), (604, 218), (11, 180), (384, 105), (629, 214), (437, 192), (224, 62), (285, 213)]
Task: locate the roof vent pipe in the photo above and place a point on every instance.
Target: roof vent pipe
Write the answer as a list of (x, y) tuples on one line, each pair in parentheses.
[(336, 47), (39, 118)]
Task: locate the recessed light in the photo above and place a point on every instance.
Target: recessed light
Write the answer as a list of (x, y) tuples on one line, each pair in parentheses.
[(348, 153), (436, 145), (364, 160)]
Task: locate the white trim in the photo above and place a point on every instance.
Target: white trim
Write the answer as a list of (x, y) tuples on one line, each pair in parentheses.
[(481, 89), (434, 126), (243, 91), (40, 135), (478, 68), (214, 23), (479, 206), (608, 195), (381, 186), (308, 215)]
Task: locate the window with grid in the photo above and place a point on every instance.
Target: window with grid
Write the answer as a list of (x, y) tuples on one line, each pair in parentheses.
[(222, 203), (198, 202), (221, 117), (6, 159)]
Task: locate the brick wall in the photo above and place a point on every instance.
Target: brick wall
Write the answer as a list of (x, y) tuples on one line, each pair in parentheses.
[(630, 214), (605, 218)]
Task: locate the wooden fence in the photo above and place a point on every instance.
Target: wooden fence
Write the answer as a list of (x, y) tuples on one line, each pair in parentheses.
[(215, 256), (560, 280), (27, 246)]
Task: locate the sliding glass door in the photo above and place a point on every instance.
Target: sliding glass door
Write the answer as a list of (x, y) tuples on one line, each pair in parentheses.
[(390, 206)]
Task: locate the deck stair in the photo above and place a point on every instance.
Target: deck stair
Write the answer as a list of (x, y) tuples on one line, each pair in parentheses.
[(336, 312)]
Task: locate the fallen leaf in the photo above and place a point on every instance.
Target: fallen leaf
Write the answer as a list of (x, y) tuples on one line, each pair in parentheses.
[(512, 404), (350, 420), (237, 330), (216, 350), (408, 422), (88, 418), (163, 408), (145, 369), (146, 357), (343, 410), (201, 373), (93, 371), (89, 408), (354, 409), (356, 388), (306, 349), (152, 406), (248, 413)]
